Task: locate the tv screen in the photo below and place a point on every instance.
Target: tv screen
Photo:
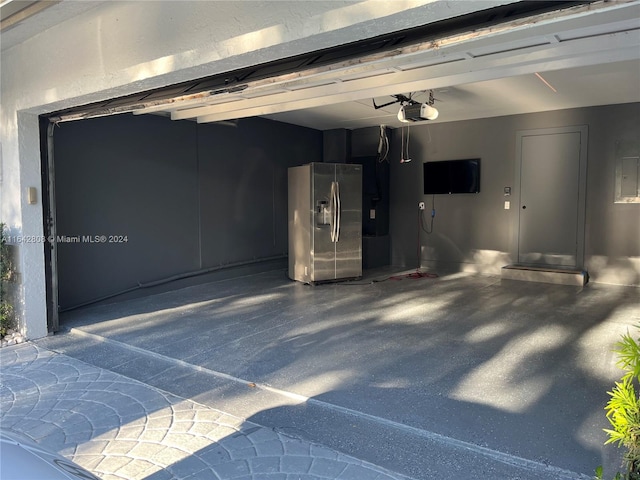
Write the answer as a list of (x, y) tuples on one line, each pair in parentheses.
[(452, 176)]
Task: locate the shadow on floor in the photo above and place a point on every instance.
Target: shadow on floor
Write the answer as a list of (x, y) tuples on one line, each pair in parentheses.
[(520, 369)]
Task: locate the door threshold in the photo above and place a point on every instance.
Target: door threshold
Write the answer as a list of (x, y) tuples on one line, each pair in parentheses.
[(547, 274)]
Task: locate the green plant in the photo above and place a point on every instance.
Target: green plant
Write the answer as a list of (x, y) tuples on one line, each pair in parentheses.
[(599, 473), (6, 317), (6, 272), (623, 408)]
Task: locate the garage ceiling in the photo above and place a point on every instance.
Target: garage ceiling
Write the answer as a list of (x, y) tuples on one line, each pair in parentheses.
[(575, 87), (586, 55)]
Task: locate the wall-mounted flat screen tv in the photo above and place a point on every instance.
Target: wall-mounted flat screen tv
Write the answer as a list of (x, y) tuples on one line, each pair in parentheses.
[(452, 176)]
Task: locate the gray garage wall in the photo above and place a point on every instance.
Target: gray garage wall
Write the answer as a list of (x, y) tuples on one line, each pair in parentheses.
[(186, 196), (473, 231), (191, 196)]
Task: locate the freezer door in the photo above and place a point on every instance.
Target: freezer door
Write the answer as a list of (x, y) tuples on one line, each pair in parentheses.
[(348, 248)]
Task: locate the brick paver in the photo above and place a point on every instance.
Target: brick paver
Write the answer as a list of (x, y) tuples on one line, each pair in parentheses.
[(120, 428)]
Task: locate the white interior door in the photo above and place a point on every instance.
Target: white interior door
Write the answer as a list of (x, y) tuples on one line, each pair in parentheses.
[(551, 207)]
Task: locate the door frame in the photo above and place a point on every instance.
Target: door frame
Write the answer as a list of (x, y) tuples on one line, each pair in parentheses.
[(583, 130), (47, 129)]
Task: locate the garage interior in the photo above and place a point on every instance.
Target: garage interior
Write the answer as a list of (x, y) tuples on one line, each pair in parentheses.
[(196, 298), (182, 192)]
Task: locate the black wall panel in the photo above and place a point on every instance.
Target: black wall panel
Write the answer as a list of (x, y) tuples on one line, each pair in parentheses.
[(243, 186), (185, 196)]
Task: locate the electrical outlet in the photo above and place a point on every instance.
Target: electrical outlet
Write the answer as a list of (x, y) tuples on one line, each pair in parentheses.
[(421, 205)]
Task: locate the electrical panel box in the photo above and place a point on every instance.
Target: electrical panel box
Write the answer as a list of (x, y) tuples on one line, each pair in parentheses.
[(627, 172)]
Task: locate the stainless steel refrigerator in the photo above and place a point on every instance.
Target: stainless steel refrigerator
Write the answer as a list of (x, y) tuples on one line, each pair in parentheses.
[(325, 222)]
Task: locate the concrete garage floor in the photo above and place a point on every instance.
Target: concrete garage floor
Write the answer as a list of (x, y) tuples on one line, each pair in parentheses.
[(460, 376)]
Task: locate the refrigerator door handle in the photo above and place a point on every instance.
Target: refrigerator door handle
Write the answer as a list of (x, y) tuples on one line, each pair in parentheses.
[(332, 211), (337, 235)]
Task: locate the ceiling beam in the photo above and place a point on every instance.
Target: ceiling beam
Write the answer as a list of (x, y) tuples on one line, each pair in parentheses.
[(569, 54)]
